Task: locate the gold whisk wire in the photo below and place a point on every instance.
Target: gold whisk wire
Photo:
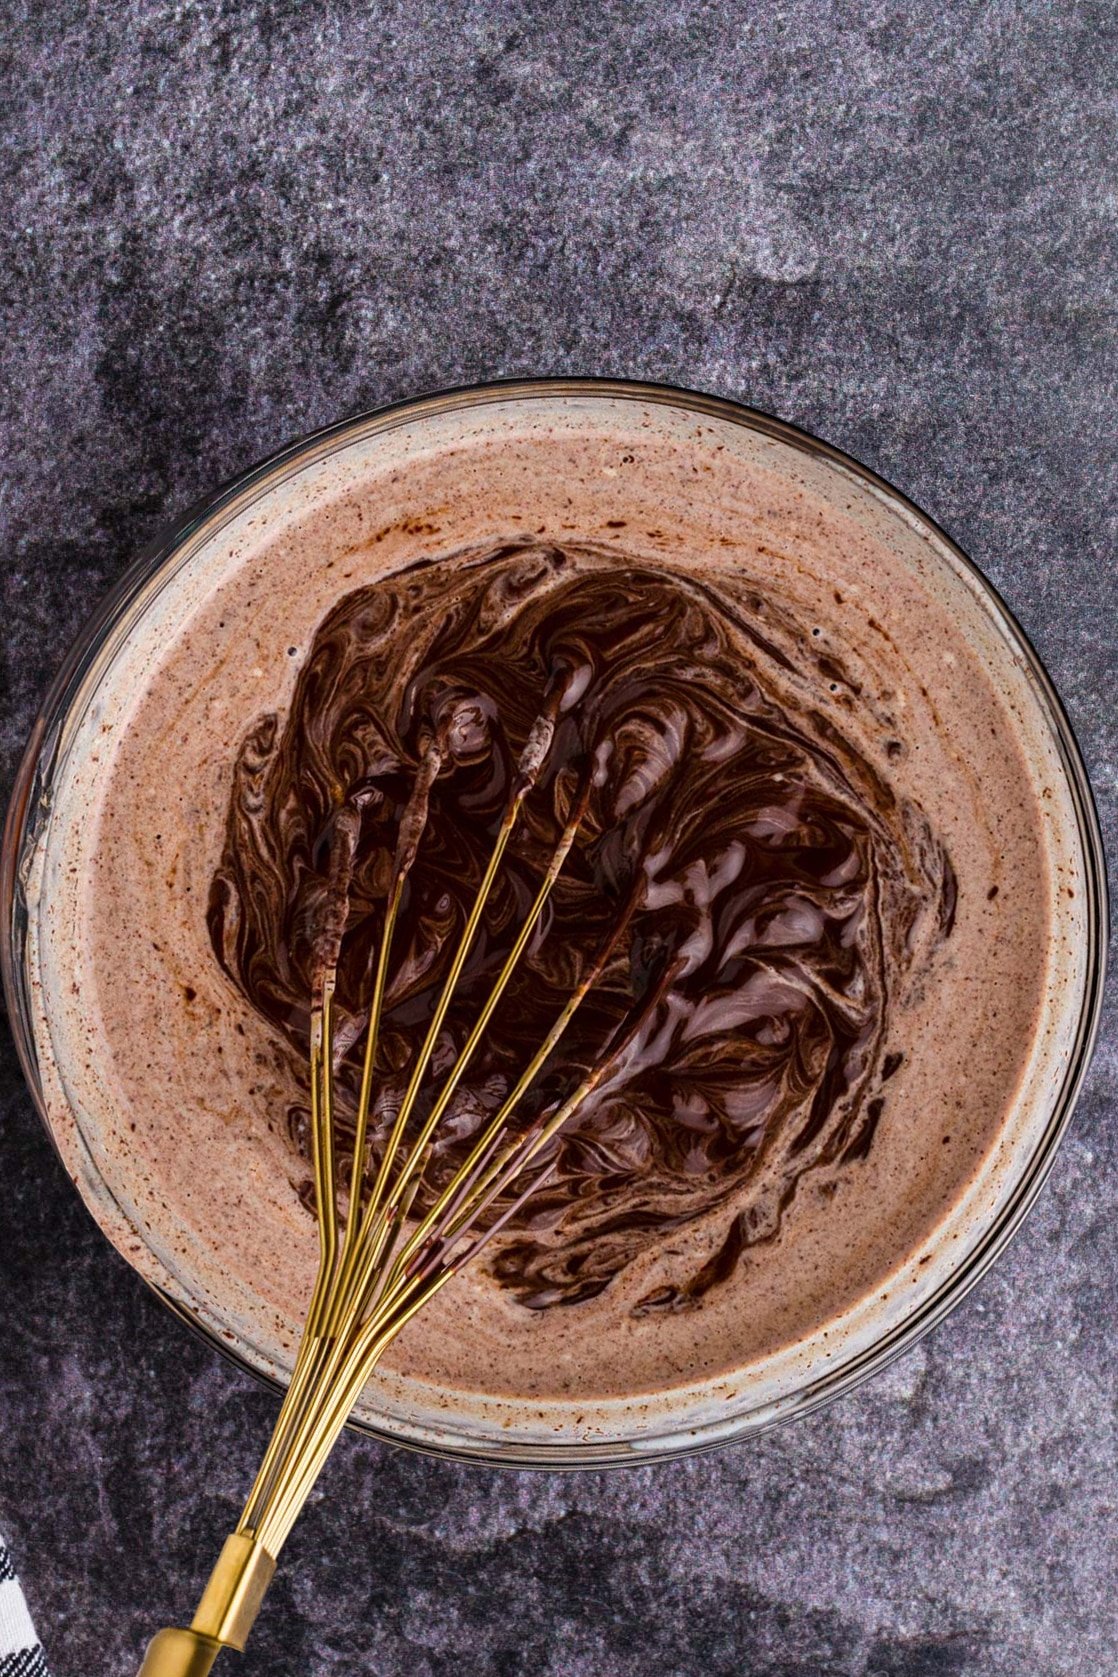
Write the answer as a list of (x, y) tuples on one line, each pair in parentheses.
[(372, 1277)]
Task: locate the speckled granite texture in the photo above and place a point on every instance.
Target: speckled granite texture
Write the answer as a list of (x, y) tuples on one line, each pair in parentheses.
[(226, 224)]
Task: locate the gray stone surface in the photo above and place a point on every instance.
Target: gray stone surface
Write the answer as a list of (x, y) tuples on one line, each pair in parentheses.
[(225, 224)]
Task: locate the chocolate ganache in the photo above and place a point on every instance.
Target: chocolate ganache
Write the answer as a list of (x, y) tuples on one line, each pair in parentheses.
[(758, 899)]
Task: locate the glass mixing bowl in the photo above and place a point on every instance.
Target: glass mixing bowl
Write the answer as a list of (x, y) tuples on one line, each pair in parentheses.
[(921, 1292)]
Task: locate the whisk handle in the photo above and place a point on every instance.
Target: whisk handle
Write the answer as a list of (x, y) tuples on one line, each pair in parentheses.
[(180, 1653), (225, 1613)]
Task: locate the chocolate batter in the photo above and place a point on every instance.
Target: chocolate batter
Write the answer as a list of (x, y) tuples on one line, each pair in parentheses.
[(758, 896), (820, 1093)]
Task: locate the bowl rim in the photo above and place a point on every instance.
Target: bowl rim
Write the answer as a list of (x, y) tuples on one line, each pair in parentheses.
[(42, 749)]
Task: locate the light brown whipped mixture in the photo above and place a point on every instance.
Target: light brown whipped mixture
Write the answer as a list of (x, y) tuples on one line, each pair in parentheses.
[(184, 1090)]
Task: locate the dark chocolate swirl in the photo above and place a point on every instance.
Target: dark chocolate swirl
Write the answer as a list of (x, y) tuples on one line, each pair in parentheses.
[(762, 894)]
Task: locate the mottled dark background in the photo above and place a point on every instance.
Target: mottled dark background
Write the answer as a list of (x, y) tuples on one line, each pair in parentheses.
[(225, 224)]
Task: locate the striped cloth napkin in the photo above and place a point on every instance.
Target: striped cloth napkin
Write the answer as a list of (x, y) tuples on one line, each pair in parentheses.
[(21, 1654)]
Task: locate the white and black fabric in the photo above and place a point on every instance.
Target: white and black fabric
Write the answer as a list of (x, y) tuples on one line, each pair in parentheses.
[(21, 1654)]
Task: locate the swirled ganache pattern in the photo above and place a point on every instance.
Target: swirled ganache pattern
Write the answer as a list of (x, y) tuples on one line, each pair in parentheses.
[(763, 898)]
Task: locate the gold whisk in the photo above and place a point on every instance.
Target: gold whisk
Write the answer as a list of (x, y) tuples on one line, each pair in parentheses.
[(375, 1271)]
